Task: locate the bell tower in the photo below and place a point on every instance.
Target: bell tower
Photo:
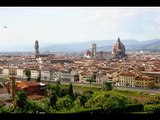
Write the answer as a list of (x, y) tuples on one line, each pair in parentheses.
[(36, 48)]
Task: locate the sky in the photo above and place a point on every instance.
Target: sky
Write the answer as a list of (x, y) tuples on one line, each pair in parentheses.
[(63, 25)]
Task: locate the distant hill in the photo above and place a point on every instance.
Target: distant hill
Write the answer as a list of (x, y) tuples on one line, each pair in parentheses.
[(105, 45)]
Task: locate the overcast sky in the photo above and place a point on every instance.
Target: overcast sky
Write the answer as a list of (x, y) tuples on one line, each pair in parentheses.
[(56, 25)]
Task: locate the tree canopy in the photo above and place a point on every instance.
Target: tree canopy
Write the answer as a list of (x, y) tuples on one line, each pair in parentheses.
[(28, 74)]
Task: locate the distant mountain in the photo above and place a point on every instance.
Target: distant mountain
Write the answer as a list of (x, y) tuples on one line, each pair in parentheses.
[(105, 45)]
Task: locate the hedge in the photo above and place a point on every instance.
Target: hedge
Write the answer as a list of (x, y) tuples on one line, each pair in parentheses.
[(152, 108), (129, 108)]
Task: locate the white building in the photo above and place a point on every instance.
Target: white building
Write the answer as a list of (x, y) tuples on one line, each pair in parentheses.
[(5, 71), (34, 74), (45, 75), (20, 73)]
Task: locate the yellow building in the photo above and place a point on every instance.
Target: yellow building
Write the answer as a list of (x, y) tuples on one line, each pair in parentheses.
[(126, 79), (144, 82), (155, 75), (84, 76)]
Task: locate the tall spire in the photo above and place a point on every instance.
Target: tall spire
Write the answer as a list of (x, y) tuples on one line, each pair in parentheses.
[(118, 39), (36, 48)]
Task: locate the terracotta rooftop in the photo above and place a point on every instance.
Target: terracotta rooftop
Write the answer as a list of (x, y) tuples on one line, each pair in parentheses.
[(27, 84), (3, 90), (126, 74)]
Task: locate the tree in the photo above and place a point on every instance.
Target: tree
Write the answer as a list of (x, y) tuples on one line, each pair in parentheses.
[(21, 99), (83, 100), (107, 100), (152, 108), (64, 103), (92, 78), (87, 94), (107, 86), (57, 90), (79, 102), (53, 100), (37, 106), (39, 77), (1, 86), (70, 91), (28, 74)]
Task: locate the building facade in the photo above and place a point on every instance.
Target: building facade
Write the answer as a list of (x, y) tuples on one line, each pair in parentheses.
[(94, 51), (144, 82), (36, 48)]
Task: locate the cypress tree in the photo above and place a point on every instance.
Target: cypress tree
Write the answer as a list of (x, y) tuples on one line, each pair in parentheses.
[(70, 91)]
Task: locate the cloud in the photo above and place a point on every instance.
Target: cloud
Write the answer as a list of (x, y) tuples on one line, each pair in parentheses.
[(157, 20)]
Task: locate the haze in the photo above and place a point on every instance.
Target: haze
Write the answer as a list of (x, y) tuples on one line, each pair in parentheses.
[(62, 25)]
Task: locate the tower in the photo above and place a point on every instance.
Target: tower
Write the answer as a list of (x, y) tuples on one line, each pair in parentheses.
[(36, 48), (12, 73), (101, 55), (94, 51)]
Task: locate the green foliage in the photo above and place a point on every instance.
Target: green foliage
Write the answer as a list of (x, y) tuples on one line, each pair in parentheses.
[(70, 91), (90, 80), (83, 110), (28, 74), (83, 100), (87, 94), (64, 103), (76, 94), (56, 89), (152, 108), (39, 78), (21, 100), (77, 103), (107, 100), (134, 108), (1, 86), (155, 100), (53, 100), (107, 86), (6, 110), (2, 78), (37, 106), (2, 103), (80, 101), (63, 92)]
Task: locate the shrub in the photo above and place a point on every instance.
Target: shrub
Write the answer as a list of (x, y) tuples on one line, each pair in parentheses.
[(65, 103), (107, 100), (134, 108), (152, 108)]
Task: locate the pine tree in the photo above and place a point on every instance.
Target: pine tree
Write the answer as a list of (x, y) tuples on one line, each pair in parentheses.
[(21, 100), (28, 74), (70, 91), (39, 77), (53, 100)]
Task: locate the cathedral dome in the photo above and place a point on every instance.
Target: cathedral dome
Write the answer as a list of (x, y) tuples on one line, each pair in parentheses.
[(118, 49), (88, 53)]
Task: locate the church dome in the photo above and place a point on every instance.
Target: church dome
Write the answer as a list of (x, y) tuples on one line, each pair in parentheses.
[(118, 49), (88, 53)]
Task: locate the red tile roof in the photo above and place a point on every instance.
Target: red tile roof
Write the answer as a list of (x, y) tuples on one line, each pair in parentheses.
[(27, 84), (3, 90)]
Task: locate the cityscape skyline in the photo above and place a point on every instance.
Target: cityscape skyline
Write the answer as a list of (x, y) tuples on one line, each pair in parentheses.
[(80, 60), (62, 25)]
